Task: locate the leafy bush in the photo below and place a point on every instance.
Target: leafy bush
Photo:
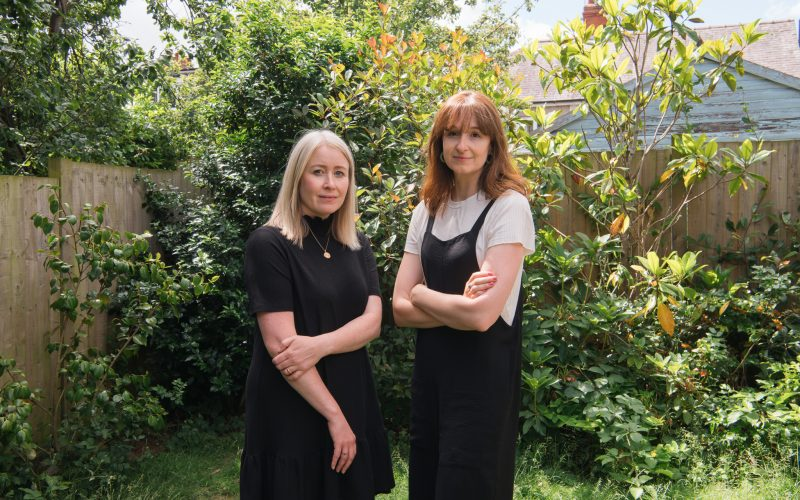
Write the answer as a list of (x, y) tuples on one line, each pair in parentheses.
[(207, 346), (716, 362), (99, 412)]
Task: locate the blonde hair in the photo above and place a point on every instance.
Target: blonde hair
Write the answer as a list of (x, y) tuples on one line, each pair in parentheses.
[(288, 215)]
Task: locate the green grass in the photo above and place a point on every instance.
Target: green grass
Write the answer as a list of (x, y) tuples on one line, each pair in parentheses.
[(204, 467), (199, 463)]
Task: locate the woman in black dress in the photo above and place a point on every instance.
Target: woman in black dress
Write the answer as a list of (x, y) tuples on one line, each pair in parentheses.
[(313, 426), (459, 283)]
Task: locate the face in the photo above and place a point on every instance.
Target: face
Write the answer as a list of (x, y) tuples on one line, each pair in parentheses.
[(324, 184), (465, 149)]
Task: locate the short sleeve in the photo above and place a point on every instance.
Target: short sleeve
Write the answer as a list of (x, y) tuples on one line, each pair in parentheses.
[(510, 221), (416, 229), (266, 272), (370, 266)]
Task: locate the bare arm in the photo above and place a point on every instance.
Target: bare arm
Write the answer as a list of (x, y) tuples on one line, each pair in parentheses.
[(299, 353), (277, 326), (479, 313), (405, 312)]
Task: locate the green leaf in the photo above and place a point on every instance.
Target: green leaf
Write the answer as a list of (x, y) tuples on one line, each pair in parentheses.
[(730, 81)]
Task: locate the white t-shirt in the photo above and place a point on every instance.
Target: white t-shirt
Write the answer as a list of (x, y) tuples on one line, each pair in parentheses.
[(508, 221)]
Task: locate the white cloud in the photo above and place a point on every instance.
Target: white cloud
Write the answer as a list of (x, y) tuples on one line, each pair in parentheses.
[(530, 30), (469, 14), (781, 9)]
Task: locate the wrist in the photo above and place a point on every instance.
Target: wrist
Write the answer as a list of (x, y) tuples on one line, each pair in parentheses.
[(324, 344), (333, 413)]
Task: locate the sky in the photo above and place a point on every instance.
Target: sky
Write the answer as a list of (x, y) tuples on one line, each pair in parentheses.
[(536, 24)]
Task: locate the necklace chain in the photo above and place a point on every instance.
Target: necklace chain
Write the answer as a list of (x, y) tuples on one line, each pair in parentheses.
[(324, 249)]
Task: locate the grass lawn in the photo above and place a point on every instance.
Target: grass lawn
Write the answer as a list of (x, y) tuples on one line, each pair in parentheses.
[(201, 464)]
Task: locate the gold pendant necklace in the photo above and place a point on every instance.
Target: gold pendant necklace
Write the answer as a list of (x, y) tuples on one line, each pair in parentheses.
[(324, 249)]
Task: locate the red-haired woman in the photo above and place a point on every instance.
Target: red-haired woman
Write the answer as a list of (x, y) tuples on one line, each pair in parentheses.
[(459, 283)]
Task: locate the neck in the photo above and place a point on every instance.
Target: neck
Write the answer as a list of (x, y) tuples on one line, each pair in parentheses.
[(463, 188)]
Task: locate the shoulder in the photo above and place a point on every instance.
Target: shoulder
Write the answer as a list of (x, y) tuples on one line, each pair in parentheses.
[(420, 214), (512, 207), (420, 210), (513, 200), (266, 236), (363, 239)]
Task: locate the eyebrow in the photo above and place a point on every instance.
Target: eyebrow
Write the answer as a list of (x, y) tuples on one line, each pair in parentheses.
[(320, 165)]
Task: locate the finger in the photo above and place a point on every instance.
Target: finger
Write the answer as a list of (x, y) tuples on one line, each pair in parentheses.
[(483, 286), (346, 459), (296, 375), (350, 458), (340, 466), (283, 362), (337, 452)]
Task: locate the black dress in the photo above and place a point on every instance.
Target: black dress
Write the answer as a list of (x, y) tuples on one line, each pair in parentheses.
[(288, 449), (465, 391)]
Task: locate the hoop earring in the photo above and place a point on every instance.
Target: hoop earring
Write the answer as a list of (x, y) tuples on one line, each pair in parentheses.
[(441, 157), (488, 160)]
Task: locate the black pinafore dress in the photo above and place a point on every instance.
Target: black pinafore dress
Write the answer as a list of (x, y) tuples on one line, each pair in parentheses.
[(465, 390)]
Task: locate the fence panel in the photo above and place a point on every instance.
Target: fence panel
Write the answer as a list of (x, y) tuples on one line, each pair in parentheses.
[(25, 315)]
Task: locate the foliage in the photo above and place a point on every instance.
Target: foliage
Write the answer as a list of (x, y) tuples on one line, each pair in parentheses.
[(639, 76), (66, 77), (716, 367), (17, 449), (207, 345), (99, 412)]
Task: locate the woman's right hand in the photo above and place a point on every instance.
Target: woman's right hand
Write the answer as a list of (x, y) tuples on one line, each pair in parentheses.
[(478, 283), (344, 443)]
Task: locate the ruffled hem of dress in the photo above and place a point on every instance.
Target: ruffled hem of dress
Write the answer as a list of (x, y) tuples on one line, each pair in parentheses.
[(276, 476)]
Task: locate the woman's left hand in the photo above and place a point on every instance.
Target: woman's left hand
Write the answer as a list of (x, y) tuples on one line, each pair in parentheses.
[(478, 283), (299, 353)]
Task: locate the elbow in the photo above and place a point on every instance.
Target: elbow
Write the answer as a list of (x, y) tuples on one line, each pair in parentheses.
[(376, 333), (400, 315), (481, 321), (273, 347), (375, 329), (483, 325)]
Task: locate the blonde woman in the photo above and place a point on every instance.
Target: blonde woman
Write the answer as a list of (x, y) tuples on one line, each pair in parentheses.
[(313, 426)]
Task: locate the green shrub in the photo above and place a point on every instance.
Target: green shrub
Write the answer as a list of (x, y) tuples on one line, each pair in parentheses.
[(714, 368), (99, 411)]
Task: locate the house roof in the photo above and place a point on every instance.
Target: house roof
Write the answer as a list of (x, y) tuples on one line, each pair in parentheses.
[(778, 50)]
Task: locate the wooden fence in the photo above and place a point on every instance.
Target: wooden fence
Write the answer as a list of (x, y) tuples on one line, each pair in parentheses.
[(25, 316), (707, 214)]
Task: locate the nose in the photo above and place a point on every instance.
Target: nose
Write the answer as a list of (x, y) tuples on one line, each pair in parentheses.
[(328, 180), (462, 142)]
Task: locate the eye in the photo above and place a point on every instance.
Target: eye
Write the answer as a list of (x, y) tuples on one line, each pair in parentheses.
[(340, 173), (451, 133)]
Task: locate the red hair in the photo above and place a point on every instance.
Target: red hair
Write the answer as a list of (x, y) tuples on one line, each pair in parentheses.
[(499, 174)]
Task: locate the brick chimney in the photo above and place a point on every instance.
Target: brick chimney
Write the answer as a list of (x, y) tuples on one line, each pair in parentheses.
[(592, 14)]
